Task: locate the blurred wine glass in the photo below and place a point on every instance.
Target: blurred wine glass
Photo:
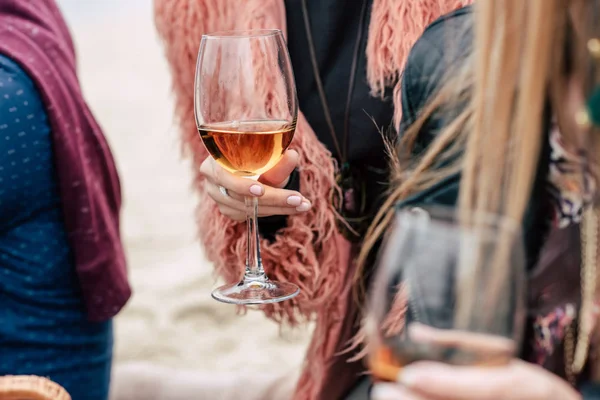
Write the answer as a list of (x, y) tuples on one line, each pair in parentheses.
[(447, 289)]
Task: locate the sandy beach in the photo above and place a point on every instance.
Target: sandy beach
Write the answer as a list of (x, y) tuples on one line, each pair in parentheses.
[(171, 321)]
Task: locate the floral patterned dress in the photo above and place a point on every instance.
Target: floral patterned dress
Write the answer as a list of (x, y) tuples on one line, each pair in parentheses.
[(571, 186)]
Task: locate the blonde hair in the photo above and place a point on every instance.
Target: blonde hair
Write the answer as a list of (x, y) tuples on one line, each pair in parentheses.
[(493, 126), (516, 64)]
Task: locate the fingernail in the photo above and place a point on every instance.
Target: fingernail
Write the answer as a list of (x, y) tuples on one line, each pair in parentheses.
[(305, 206), (294, 201), (384, 391), (407, 377), (256, 190)]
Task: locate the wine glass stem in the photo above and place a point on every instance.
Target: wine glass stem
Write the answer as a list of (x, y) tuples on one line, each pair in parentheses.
[(254, 267)]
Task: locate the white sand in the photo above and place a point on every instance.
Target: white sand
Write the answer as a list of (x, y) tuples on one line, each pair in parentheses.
[(171, 320)]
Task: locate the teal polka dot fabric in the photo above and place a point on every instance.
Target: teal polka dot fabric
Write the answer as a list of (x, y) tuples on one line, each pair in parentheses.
[(43, 324)]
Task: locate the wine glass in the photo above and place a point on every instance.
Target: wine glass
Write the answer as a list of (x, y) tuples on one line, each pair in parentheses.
[(447, 289), (246, 109)]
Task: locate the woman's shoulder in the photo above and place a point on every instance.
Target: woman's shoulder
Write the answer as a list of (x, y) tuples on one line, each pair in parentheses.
[(455, 17), (448, 32), (443, 43), (16, 84), (21, 105)]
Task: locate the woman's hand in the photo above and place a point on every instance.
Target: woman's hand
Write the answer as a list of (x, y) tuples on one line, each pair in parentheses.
[(228, 190), (517, 380)]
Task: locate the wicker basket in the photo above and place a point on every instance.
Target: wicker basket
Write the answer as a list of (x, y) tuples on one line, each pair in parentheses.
[(30, 388)]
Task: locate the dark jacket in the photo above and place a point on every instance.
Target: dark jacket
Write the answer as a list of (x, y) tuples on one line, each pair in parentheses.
[(553, 255), (339, 31)]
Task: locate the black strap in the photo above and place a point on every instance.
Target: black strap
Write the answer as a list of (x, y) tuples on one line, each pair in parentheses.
[(341, 151)]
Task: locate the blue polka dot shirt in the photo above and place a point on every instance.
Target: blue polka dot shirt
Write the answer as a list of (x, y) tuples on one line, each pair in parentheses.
[(43, 324)]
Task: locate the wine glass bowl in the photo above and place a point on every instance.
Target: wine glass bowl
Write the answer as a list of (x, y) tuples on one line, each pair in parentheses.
[(447, 289), (246, 110), (245, 99), (247, 148)]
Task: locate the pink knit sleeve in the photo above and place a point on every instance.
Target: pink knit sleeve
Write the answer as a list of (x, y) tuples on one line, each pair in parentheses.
[(304, 252)]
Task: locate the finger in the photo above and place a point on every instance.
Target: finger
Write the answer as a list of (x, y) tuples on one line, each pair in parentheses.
[(263, 210), (208, 168), (386, 391), (518, 380), (278, 176), (274, 197), (227, 200), (232, 213), (443, 382), (270, 211), (237, 184), (240, 215), (288, 201)]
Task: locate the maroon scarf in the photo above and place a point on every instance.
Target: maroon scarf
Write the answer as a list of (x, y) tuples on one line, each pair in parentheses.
[(34, 34)]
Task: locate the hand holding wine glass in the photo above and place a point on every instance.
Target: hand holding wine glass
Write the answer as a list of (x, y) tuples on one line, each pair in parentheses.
[(516, 380), (228, 190), (446, 290), (246, 111)]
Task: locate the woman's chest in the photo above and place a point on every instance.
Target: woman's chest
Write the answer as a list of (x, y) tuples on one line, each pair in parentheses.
[(327, 40)]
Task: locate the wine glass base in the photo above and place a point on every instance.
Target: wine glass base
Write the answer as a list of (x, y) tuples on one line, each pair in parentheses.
[(256, 292)]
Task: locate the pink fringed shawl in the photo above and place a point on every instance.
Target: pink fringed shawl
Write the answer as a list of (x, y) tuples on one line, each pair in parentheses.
[(309, 251)]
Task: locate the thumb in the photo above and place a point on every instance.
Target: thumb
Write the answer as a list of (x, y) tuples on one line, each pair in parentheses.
[(279, 175)]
